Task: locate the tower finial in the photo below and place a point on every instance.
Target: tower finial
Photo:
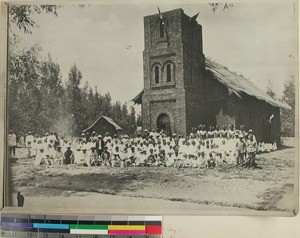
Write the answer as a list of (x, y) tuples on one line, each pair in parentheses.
[(193, 18)]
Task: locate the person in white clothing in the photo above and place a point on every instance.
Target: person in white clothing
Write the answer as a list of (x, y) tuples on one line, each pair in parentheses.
[(12, 143)]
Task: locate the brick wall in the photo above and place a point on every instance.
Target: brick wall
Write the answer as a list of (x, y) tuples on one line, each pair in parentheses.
[(192, 97)]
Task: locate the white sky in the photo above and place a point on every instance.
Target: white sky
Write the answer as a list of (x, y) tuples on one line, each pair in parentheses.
[(256, 40)]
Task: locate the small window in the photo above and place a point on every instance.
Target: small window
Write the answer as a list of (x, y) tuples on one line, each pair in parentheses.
[(162, 29), (156, 74), (169, 73)]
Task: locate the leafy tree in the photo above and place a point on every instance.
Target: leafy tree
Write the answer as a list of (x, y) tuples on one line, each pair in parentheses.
[(288, 115), (74, 97), (39, 101), (21, 15)]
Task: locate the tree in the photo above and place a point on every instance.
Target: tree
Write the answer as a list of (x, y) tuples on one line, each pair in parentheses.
[(21, 15), (288, 115), (23, 96), (73, 100)]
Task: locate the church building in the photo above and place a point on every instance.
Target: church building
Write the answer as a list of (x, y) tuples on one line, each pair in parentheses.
[(183, 88)]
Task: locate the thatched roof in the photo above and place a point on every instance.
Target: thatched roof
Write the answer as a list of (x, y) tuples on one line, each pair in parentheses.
[(109, 120), (235, 83), (238, 84)]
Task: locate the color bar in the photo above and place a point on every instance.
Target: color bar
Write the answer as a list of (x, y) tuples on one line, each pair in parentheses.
[(89, 227), (51, 226), (15, 224), (154, 230), (127, 227), (88, 232), (126, 232)]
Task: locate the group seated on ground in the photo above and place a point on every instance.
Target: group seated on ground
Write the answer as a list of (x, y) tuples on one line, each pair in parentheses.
[(200, 149)]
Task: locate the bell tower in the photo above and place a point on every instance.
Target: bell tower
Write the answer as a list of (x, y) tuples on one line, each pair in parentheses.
[(173, 65)]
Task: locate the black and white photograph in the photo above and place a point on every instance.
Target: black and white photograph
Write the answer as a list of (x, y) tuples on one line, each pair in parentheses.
[(152, 108)]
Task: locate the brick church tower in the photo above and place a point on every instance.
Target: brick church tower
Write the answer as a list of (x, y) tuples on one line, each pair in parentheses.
[(173, 70)]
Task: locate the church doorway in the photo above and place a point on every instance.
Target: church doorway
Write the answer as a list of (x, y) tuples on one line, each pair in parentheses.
[(163, 123)]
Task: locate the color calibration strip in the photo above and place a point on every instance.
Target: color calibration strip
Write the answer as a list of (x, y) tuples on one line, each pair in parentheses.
[(84, 225)]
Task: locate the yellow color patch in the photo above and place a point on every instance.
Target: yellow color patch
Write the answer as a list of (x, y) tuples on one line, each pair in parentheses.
[(126, 227)]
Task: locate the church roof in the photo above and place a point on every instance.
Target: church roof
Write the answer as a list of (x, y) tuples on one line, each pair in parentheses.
[(236, 83)]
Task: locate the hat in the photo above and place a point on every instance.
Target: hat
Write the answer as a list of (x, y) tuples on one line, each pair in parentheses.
[(82, 134), (250, 131), (99, 136), (241, 136)]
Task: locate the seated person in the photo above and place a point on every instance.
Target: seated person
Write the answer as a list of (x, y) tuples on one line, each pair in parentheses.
[(40, 157), (151, 158), (211, 163), (94, 161), (59, 156), (116, 160), (68, 156), (105, 157)]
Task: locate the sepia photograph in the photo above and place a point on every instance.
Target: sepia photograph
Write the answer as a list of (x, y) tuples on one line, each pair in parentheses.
[(152, 108)]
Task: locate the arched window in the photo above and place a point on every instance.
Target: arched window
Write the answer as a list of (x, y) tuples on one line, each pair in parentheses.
[(161, 29), (169, 73), (156, 74)]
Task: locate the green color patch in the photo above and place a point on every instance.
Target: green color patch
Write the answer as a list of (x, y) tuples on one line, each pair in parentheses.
[(89, 227)]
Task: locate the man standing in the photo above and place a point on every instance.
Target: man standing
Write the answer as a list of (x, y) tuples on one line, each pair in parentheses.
[(99, 145), (12, 143), (241, 150), (251, 150)]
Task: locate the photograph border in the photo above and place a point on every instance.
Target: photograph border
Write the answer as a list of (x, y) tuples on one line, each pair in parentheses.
[(4, 166)]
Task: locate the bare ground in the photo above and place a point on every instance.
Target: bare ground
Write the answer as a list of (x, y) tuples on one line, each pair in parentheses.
[(268, 188)]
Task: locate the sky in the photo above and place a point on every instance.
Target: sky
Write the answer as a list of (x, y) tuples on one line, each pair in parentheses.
[(106, 42)]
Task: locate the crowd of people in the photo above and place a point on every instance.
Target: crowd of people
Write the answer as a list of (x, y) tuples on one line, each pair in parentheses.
[(200, 149)]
